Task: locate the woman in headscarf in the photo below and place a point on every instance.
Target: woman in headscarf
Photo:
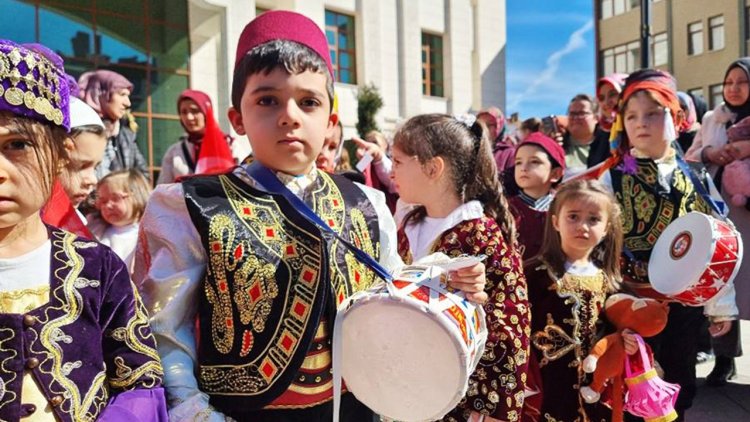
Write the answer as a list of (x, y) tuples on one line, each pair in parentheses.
[(710, 146), (195, 109), (108, 93), (690, 126), (608, 91)]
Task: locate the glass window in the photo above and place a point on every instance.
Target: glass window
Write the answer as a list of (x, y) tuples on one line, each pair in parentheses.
[(342, 46), (716, 33), (619, 7), (608, 64), (166, 132), (170, 48), (606, 9), (660, 50), (432, 65), (695, 38), (634, 57), (144, 40), (167, 87), (19, 25), (695, 92), (716, 95)]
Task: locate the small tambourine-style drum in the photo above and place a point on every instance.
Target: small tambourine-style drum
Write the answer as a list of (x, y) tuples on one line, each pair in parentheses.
[(409, 347), (695, 257)]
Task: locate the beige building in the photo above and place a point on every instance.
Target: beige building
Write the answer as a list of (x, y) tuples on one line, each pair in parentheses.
[(695, 40), (424, 56)]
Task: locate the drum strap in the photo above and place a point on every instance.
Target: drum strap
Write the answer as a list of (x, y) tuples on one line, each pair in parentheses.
[(272, 183), (719, 207)]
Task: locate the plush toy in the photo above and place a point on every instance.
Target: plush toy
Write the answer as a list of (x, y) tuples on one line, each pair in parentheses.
[(646, 317), (736, 179)]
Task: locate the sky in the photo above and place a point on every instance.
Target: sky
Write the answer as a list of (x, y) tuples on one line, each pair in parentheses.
[(550, 55)]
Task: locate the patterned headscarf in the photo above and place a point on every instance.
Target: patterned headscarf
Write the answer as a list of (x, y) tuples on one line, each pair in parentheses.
[(496, 114), (691, 117), (96, 87), (616, 81), (661, 85)]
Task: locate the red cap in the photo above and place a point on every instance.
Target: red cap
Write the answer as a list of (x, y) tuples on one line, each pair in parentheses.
[(283, 25), (549, 145)]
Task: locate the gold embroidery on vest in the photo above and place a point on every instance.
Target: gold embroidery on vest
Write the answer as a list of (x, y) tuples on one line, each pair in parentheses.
[(82, 406), (263, 221), (7, 376)]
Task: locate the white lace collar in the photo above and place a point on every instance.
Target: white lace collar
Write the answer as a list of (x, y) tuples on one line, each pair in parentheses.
[(422, 235), (296, 184)]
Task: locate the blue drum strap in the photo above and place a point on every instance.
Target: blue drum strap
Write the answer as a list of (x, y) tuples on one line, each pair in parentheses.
[(272, 184), (719, 207)]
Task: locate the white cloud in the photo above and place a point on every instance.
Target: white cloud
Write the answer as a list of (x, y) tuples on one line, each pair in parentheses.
[(549, 74), (548, 18)]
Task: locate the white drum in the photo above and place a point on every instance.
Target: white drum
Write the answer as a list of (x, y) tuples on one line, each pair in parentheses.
[(694, 258), (409, 348)]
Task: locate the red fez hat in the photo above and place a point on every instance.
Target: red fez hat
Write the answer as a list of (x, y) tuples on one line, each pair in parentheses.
[(548, 144), (283, 25)]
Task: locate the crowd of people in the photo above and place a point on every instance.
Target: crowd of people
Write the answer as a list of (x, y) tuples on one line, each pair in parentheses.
[(212, 296)]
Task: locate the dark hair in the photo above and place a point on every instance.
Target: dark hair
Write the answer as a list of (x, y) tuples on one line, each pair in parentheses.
[(532, 124), (700, 106), (468, 153), (95, 129), (588, 98), (607, 253), (48, 143), (291, 56)]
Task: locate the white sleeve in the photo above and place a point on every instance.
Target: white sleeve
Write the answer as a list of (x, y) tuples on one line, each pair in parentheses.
[(722, 307), (606, 180), (389, 257), (169, 270)]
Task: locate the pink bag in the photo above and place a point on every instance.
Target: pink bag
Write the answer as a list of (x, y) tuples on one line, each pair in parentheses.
[(649, 396)]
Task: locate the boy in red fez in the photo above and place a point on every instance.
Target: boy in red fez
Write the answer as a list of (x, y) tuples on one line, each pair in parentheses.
[(539, 166), (261, 282)]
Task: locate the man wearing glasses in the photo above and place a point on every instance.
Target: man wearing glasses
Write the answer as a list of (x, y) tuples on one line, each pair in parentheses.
[(585, 144)]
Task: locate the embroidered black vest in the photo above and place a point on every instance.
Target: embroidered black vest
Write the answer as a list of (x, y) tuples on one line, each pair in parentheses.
[(649, 204), (270, 277)]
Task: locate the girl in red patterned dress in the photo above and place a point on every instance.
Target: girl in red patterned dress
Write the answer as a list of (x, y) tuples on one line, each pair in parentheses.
[(446, 167), (577, 269)]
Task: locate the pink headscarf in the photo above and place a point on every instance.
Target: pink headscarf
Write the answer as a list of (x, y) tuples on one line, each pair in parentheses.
[(616, 81), (687, 105), (201, 99), (496, 114), (96, 87)]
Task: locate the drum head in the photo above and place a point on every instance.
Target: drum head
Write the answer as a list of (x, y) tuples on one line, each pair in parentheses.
[(681, 254), (401, 361)]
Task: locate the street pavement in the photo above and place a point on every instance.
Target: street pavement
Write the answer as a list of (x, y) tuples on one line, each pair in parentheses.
[(730, 403)]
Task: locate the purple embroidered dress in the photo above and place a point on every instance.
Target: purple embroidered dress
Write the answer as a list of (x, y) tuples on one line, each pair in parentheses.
[(88, 348)]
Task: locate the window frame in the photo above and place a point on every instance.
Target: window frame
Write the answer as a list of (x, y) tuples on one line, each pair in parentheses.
[(428, 86), (712, 26), (715, 91), (660, 39), (692, 51), (335, 49)]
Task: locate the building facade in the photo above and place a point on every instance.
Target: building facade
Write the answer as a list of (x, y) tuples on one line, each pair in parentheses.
[(695, 40), (423, 55)]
